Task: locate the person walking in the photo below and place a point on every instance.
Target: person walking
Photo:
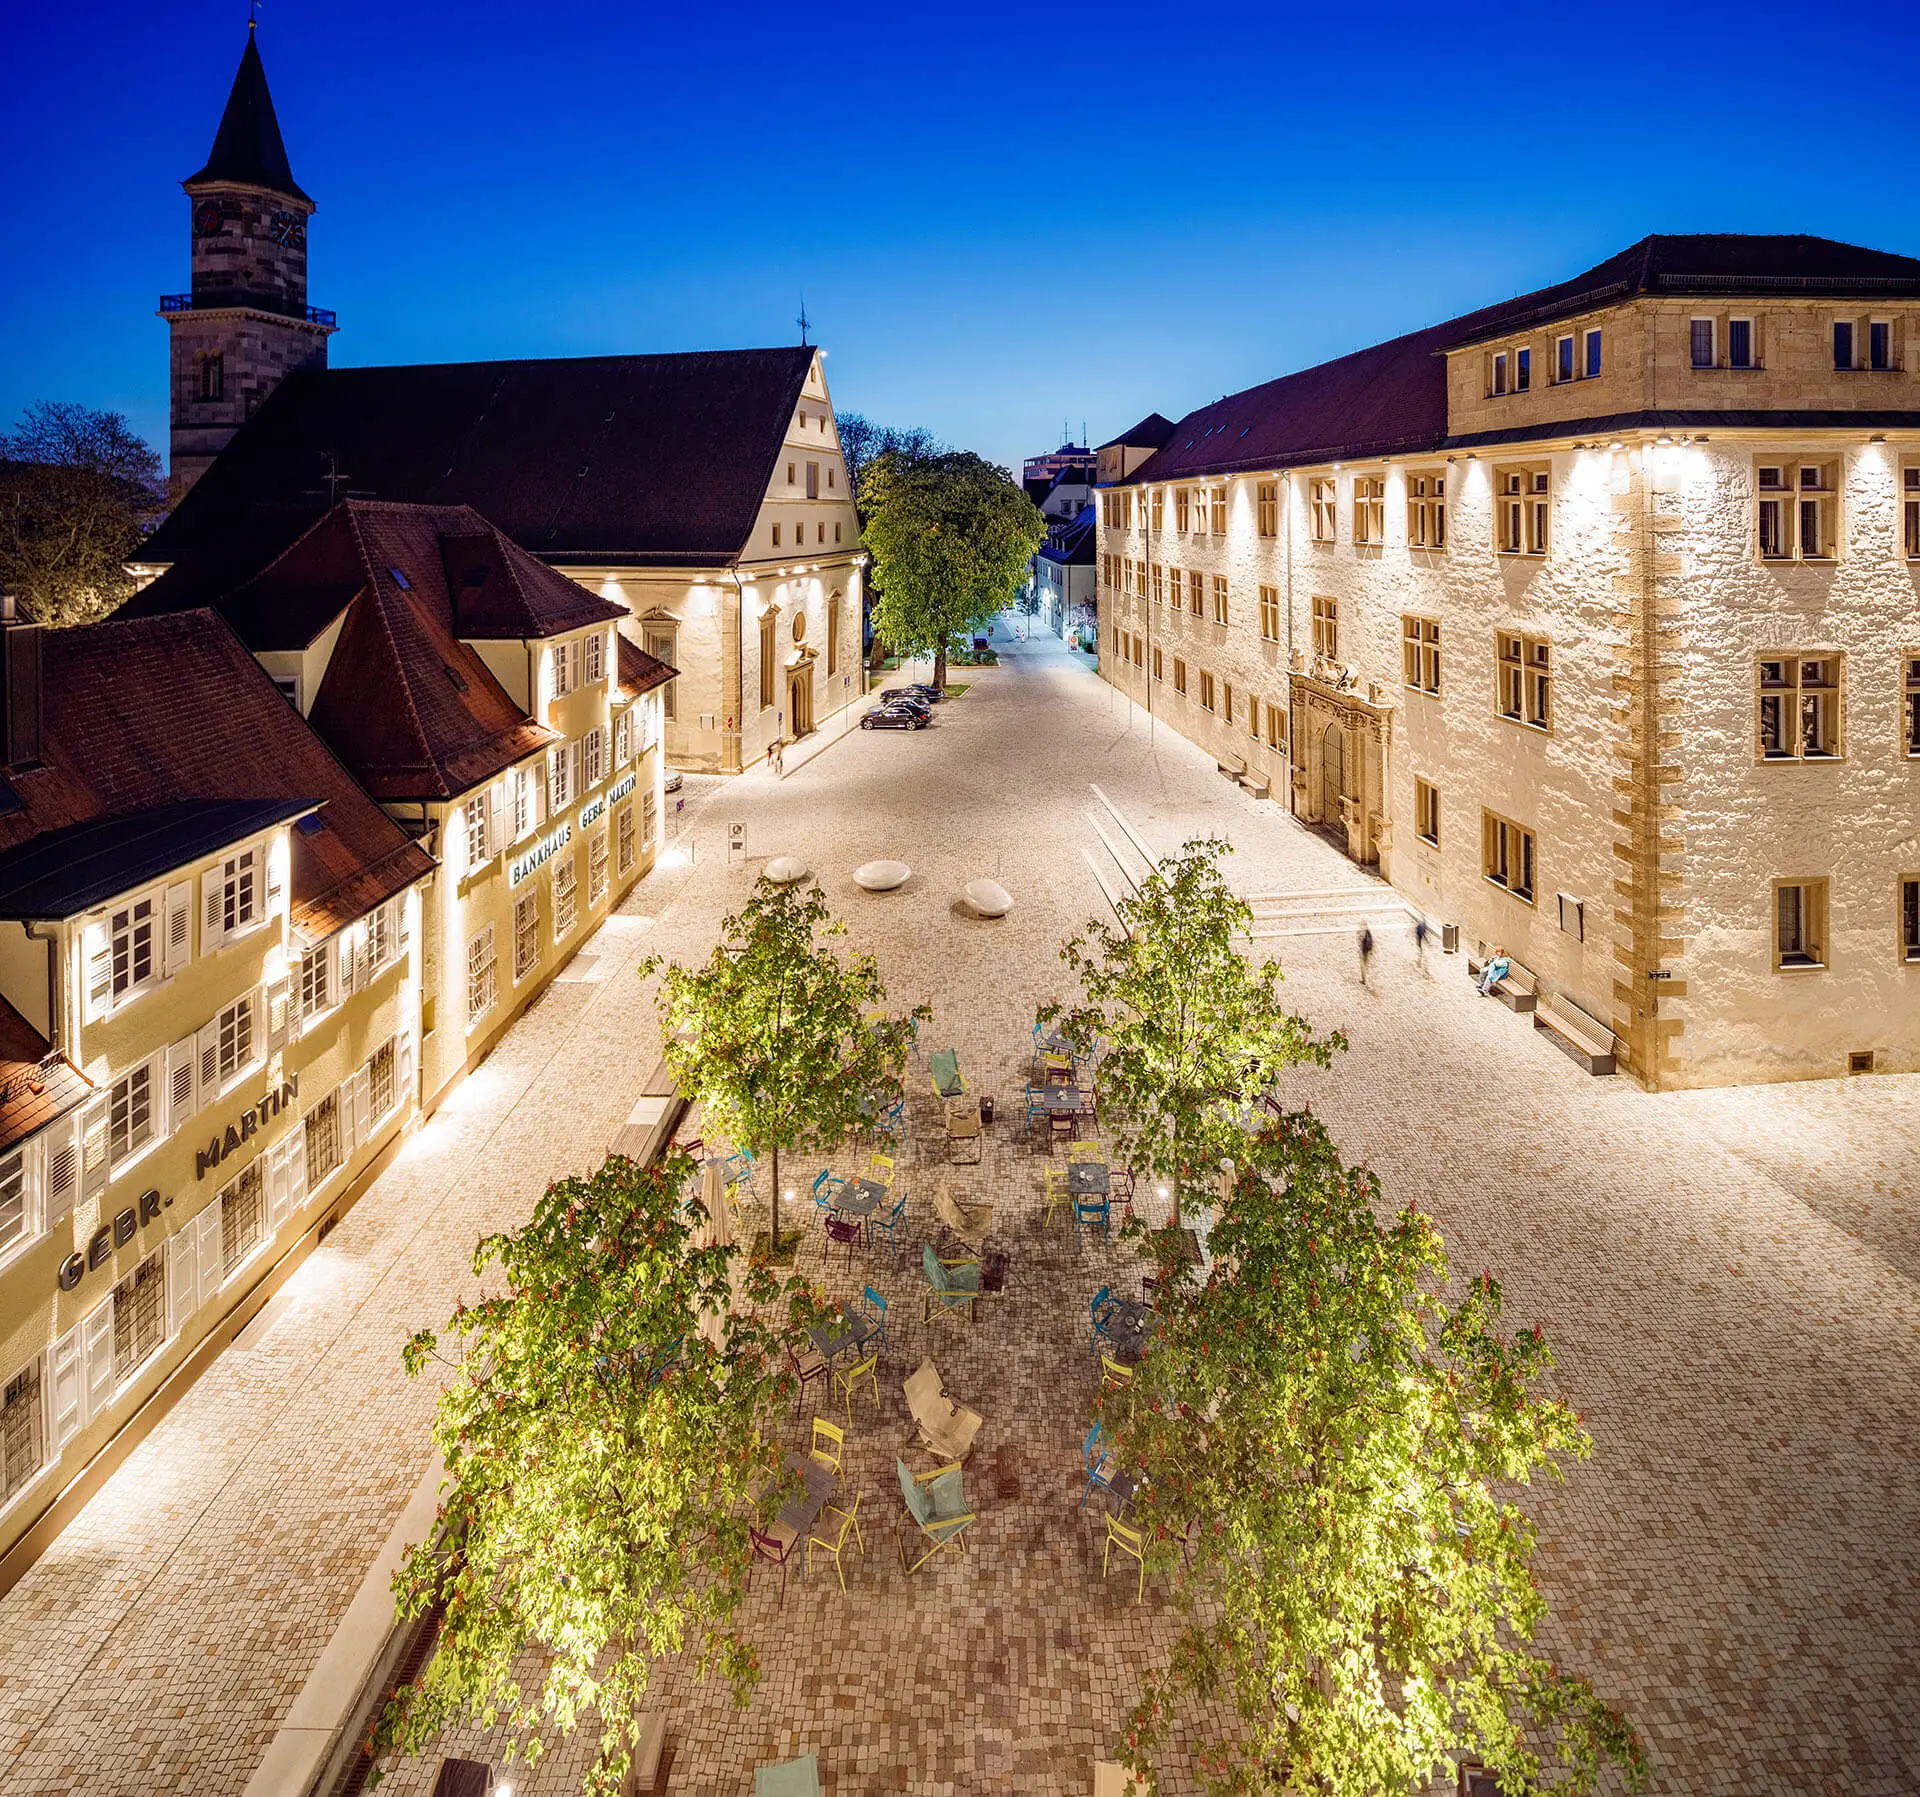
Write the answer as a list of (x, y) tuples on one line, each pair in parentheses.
[(1420, 942), (1366, 950)]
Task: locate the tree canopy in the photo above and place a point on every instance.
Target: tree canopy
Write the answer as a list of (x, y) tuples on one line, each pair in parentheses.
[(951, 536), (770, 1036), (861, 440), (1189, 1032), (603, 1462), (1338, 1445), (78, 492)]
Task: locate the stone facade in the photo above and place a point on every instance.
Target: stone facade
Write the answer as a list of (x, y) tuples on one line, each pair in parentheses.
[(1658, 830)]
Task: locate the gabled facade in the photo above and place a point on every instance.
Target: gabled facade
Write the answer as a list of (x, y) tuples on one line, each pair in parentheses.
[(491, 707), (1588, 619), (177, 1120)]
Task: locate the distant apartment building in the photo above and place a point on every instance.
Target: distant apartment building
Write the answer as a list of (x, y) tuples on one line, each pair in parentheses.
[(182, 1105), (1069, 458), (1592, 619)]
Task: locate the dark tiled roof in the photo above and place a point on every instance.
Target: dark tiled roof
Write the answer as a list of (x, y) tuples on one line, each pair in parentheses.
[(62, 873), (36, 1085), (623, 460), (1611, 423), (1070, 542), (151, 713), (640, 672), (247, 149), (1150, 433), (1392, 397)]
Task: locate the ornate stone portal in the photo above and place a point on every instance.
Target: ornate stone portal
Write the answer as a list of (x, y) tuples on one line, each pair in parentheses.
[(1339, 759)]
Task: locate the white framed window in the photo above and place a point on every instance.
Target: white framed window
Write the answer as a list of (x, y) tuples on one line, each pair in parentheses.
[(1524, 684), (649, 820), (1326, 627), (596, 867), (1590, 354), (323, 1146), (564, 883), (1426, 813), (243, 1216), (1910, 510), (623, 840), (623, 739), (1525, 510), (1498, 375), (134, 932), (134, 1111), (139, 1317), (1797, 707), (660, 644), (593, 758), (1799, 924), (559, 778), (383, 1085), (1420, 653), (1507, 855), (596, 654), (316, 979), (1323, 507), (233, 896), (380, 934), (23, 1430), (1369, 510), (480, 843), (1427, 510), (1700, 343), (1741, 345), (1910, 705), (1563, 358), (564, 668), (1522, 369), (480, 976), (526, 935), (1796, 510), (234, 1030), (18, 1223)]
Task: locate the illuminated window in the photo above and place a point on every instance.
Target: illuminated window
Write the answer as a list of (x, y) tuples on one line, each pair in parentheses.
[(23, 1430), (1270, 614), (1426, 813), (139, 1317), (1159, 508), (1525, 505), (565, 668), (1796, 511), (1427, 510), (1277, 727), (1797, 707), (1420, 653), (1219, 511), (1179, 676), (132, 1117), (593, 758), (480, 976), (235, 1035), (1910, 510), (526, 935), (596, 648), (565, 881), (1910, 704), (1326, 628), (480, 845), (1219, 598), (1267, 508), (1507, 855), (15, 1219), (1369, 510), (1324, 510), (236, 893), (1182, 506), (243, 1217), (559, 778), (1525, 679), (1799, 923)]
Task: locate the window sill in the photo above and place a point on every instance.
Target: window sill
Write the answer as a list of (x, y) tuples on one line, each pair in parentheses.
[(1525, 898), (48, 1468), (1800, 967), (1522, 555)]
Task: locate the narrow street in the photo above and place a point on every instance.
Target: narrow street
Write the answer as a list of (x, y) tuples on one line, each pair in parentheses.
[(1728, 1278)]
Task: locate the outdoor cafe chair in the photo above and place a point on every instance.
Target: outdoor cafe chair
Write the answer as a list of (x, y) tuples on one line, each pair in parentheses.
[(874, 1307), (1099, 1467), (737, 1167), (1114, 1376), (944, 1068), (808, 1364), (1085, 1152), (1128, 1541), (937, 1503), (1063, 1126), (849, 1525), (892, 1223), (953, 1286), (1036, 1110), (775, 1544), (791, 1778), (826, 1187), (1054, 1178), (1101, 1310), (829, 1445), (1091, 1214), (848, 1230), (880, 1169), (869, 1370)]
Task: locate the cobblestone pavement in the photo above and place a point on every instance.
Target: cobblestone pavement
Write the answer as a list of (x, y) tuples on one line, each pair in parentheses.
[(1729, 1279)]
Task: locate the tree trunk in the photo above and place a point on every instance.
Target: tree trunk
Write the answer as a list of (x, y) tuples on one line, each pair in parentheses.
[(940, 665), (776, 1200)]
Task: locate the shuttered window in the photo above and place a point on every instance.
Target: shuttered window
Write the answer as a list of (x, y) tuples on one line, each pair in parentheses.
[(139, 1316), (243, 1217), (23, 1430)]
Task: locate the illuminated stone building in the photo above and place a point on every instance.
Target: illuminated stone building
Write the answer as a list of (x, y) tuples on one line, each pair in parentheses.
[(181, 1113), (1590, 620)]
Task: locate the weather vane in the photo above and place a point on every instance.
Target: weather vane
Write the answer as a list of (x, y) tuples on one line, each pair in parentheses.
[(253, 8), (801, 321)]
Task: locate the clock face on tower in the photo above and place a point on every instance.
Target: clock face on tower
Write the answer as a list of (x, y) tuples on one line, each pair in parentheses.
[(288, 228), (206, 219)]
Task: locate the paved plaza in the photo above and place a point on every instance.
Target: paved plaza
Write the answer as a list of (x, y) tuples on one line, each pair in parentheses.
[(1729, 1280)]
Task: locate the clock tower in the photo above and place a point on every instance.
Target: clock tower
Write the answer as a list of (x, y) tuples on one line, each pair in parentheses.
[(246, 323)]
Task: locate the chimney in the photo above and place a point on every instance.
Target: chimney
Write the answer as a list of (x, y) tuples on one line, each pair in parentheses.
[(20, 645)]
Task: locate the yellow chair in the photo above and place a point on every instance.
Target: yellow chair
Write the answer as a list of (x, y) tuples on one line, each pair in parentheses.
[(1084, 1151), (1113, 1376), (869, 1370), (880, 1168), (1128, 1541), (849, 1523), (829, 1444), (1055, 1176)]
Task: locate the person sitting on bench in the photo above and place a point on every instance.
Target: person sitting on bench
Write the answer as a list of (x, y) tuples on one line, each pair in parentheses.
[(1496, 970)]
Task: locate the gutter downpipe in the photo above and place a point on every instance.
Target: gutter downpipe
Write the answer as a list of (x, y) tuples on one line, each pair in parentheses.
[(56, 1024)]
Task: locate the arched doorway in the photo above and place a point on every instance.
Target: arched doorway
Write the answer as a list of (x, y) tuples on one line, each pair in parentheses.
[(1333, 773)]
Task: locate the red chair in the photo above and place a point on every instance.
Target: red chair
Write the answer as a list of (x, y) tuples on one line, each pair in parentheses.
[(806, 1368), (775, 1545), (845, 1229)]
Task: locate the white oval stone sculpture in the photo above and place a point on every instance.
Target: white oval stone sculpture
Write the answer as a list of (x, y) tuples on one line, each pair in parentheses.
[(882, 876), (985, 898), (784, 870)]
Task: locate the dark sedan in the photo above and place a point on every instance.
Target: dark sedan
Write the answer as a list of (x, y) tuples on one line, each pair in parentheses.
[(906, 695), (894, 717)]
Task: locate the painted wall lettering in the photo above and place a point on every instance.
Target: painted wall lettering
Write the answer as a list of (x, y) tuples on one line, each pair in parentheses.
[(242, 1128)]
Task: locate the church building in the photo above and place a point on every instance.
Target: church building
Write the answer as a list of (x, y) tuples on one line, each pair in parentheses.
[(704, 494)]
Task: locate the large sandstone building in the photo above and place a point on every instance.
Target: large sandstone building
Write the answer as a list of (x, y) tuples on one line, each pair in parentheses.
[(704, 493), (1591, 620)]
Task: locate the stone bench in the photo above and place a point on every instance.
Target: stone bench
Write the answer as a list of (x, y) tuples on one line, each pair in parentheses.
[(1229, 765), (1518, 991), (1256, 783), (1585, 1038)]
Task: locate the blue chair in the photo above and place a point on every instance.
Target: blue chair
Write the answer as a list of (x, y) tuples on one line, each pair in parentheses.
[(874, 1307), (1036, 1111), (791, 1778), (1093, 1213), (892, 1223), (737, 1167), (1101, 1310), (1099, 1464), (824, 1189)]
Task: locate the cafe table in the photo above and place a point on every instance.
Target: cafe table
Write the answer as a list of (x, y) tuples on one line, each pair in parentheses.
[(859, 1198), (1087, 1179)]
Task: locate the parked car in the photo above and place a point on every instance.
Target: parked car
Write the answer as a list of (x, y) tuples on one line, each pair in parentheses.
[(672, 781), (894, 717), (906, 695), (932, 694)]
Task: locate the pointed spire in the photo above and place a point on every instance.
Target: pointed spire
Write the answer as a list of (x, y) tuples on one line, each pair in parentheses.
[(247, 149)]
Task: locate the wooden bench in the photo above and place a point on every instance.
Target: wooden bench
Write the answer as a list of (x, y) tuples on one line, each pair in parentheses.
[(1585, 1038), (1230, 765), (1518, 991), (1256, 783)]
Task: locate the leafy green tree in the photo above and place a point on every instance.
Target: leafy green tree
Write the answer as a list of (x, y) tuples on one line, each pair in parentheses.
[(602, 1466), (78, 492), (1329, 1439), (770, 1036), (951, 536), (1190, 1033), (861, 440)]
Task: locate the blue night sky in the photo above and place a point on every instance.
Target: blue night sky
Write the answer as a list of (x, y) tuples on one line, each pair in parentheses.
[(1001, 218)]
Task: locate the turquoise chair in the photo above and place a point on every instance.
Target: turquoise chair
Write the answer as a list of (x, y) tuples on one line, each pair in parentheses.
[(1091, 1214), (1099, 1463), (937, 1502), (1101, 1310), (873, 1306), (953, 1286), (824, 1187), (791, 1778), (891, 1223), (945, 1068)]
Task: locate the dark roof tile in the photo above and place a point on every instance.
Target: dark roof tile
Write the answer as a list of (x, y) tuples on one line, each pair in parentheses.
[(247, 149)]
